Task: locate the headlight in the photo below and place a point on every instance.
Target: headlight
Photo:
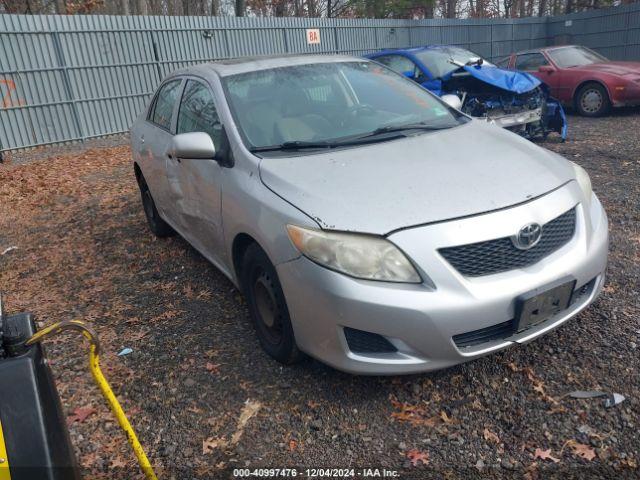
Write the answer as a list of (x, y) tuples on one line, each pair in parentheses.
[(360, 256), (583, 180)]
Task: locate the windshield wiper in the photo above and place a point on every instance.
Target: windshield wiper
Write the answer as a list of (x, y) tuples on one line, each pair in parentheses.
[(293, 145), (405, 127), (350, 141)]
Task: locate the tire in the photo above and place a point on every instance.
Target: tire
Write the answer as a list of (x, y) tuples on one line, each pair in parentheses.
[(592, 100), (157, 225), (267, 307)]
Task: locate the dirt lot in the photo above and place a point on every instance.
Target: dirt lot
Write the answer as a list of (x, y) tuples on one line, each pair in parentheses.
[(84, 251)]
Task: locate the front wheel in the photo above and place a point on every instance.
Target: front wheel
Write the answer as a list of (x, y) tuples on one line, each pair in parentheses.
[(592, 100), (267, 307)]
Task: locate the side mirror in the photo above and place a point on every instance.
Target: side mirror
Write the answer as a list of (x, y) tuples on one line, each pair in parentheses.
[(410, 74), (194, 146), (453, 101), (546, 69)]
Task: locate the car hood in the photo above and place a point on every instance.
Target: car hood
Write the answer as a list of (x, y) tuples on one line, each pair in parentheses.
[(435, 176), (510, 80), (614, 68)]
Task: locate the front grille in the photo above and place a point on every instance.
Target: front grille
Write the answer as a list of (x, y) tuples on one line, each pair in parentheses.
[(501, 255), (504, 330), (360, 341)]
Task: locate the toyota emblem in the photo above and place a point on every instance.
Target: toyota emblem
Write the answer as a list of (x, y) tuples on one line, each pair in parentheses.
[(528, 236)]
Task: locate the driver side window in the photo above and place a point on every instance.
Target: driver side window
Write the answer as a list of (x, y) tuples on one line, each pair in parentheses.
[(400, 64), (530, 61), (198, 112)]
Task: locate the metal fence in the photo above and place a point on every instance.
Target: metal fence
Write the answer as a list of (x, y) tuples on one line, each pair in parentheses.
[(65, 78)]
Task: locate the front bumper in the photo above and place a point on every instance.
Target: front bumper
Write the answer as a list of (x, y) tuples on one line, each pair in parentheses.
[(511, 120), (629, 96), (421, 320)]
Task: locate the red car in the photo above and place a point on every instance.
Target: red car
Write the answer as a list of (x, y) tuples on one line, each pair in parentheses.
[(581, 78)]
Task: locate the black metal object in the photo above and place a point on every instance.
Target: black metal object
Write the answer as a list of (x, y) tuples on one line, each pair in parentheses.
[(360, 341), (583, 292), (501, 255), (483, 335), (33, 424)]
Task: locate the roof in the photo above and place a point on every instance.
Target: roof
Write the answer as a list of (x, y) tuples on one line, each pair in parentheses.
[(542, 49), (250, 64), (414, 49)]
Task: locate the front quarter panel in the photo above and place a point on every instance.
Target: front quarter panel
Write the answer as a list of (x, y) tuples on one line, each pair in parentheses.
[(250, 208)]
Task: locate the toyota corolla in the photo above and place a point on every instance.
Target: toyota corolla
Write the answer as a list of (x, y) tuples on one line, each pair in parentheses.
[(369, 224)]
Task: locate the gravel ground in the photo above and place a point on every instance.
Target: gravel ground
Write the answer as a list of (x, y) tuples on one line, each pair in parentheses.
[(84, 251)]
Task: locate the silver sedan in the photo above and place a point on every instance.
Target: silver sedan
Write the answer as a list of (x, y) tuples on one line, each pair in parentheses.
[(368, 223)]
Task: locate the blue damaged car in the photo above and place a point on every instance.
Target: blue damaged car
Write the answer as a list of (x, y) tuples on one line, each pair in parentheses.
[(514, 100)]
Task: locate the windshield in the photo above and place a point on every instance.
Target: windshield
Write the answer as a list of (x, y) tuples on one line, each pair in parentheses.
[(575, 57), (438, 60), (326, 102)]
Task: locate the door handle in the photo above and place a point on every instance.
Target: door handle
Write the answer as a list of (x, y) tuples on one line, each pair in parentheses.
[(142, 139)]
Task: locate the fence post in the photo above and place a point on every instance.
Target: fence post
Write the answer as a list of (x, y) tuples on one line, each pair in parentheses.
[(57, 46), (156, 55), (335, 38), (626, 35), (285, 39), (227, 43)]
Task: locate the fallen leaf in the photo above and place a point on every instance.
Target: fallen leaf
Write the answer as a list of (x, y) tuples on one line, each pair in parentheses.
[(545, 455), (630, 462), (489, 436), (413, 414), (416, 456), (213, 368), (445, 418), (211, 443), (581, 450), (118, 463), (249, 410), (80, 414)]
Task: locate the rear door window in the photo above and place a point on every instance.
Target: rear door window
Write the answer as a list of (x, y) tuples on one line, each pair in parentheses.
[(503, 62), (165, 102)]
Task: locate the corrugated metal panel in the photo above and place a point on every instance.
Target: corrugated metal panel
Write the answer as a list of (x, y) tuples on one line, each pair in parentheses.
[(74, 77)]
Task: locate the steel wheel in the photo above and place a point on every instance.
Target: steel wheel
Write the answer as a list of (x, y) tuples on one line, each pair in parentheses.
[(269, 314), (267, 306)]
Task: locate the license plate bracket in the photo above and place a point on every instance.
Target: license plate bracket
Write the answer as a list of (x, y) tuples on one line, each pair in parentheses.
[(538, 305)]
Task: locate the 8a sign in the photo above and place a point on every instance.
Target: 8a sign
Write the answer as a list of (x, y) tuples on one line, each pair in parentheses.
[(313, 36)]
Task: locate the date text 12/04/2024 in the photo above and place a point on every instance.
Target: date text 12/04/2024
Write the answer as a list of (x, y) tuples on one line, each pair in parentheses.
[(316, 473)]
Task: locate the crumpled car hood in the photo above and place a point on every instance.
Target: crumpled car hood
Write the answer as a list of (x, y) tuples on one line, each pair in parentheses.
[(510, 80), (426, 178)]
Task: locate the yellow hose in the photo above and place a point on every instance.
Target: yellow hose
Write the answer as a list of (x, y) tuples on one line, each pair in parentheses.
[(101, 381)]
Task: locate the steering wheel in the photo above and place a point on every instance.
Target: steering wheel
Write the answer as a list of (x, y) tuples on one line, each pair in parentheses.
[(358, 110)]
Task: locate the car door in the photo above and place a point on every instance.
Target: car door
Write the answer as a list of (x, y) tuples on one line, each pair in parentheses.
[(153, 137), (196, 185), (531, 63)]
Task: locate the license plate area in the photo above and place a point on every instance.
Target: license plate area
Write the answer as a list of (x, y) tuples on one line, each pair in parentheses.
[(538, 305)]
